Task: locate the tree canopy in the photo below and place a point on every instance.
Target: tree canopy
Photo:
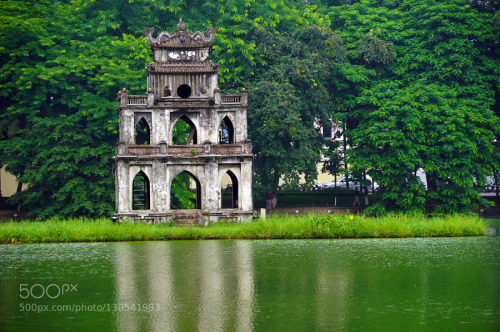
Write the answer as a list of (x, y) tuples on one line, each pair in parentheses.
[(412, 85)]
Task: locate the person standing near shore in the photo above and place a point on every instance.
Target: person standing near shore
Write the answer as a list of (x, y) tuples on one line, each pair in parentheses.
[(356, 197), (269, 196)]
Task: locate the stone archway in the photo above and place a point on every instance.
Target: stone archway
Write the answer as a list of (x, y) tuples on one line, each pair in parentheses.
[(226, 131), (232, 188), (185, 192), (142, 132), (184, 132), (140, 192)]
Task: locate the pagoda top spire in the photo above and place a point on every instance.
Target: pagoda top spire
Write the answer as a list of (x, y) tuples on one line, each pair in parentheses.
[(181, 39)]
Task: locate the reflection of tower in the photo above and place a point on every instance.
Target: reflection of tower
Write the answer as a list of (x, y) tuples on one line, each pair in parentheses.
[(246, 286), (195, 285), (125, 287), (183, 88)]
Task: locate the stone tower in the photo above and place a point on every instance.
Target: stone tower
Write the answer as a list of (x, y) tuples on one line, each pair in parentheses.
[(182, 84)]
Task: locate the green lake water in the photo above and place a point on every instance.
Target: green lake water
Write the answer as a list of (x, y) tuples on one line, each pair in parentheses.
[(416, 284)]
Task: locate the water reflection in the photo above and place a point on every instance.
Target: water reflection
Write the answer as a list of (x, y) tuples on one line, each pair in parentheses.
[(205, 287), (333, 310), (310, 285), (320, 285)]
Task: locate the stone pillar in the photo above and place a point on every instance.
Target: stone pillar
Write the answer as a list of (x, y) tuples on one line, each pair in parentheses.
[(163, 147), (208, 146), (211, 188), (248, 146), (159, 187), (245, 196), (243, 123), (168, 203), (244, 97), (127, 129), (161, 125), (123, 96), (122, 148), (217, 97), (151, 97), (124, 193)]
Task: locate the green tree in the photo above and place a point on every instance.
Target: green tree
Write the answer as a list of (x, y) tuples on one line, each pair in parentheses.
[(432, 110), (289, 100), (58, 84), (62, 63), (419, 90), (365, 28)]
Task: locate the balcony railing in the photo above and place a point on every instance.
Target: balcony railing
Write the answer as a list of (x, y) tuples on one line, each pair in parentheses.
[(235, 99), (137, 100), (185, 150), (231, 99)]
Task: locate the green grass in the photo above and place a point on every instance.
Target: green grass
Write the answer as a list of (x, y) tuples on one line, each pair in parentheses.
[(294, 227)]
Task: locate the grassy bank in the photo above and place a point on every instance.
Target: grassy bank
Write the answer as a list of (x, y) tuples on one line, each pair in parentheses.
[(302, 227)]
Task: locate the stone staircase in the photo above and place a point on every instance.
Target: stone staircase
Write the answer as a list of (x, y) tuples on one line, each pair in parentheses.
[(188, 217)]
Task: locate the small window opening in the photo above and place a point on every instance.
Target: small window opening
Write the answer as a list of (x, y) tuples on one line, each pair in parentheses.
[(226, 131), (327, 132), (184, 132), (184, 91), (142, 133), (140, 194)]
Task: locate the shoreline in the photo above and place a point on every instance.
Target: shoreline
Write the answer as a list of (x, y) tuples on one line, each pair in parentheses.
[(346, 226)]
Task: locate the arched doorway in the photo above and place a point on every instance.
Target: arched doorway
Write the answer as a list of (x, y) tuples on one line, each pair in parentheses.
[(226, 131), (140, 192), (229, 191), (184, 132), (185, 192), (142, 132)]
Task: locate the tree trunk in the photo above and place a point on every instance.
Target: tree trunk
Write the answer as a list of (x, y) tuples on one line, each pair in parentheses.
[(345, 160), (365, 188), (495, 175), (274, 199), (191, 135), (19, 188)]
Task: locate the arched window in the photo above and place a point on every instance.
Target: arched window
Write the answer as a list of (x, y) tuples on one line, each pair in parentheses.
[(140, 192), (184, 132), (229, 190), (226, 131), (142, 132), (185, 192)]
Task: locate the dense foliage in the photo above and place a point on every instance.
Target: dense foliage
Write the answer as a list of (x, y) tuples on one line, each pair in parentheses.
[(409, 84), (431, 109)]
